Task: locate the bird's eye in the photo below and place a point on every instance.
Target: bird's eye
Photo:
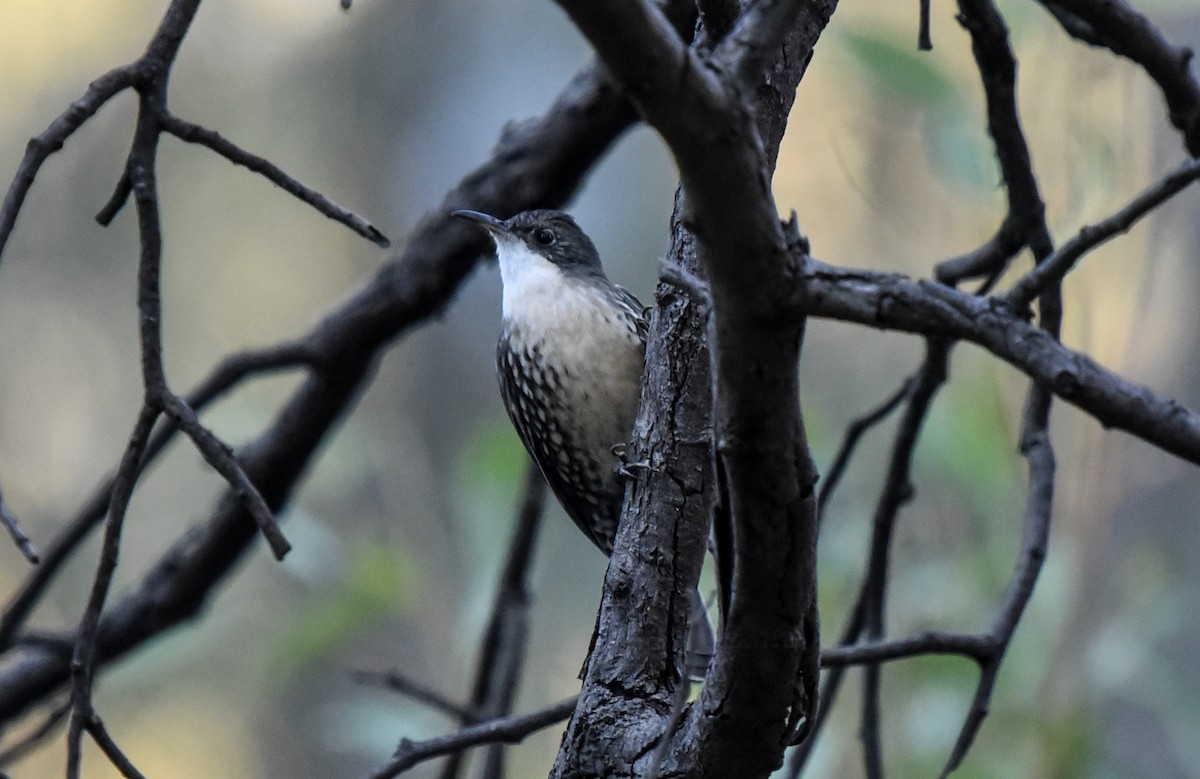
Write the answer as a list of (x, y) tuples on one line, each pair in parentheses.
[(545, 236)]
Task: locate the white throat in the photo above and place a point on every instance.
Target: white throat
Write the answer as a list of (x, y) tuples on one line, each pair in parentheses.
[(530, 280)]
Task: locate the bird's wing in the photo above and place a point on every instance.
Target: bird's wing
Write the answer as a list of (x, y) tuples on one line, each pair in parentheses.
[(638, 314)]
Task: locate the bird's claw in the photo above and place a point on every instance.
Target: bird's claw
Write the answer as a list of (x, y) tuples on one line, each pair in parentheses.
[(627, 469), (630, 471)]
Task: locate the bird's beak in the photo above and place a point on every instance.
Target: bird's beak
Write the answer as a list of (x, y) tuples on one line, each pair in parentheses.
[(489, 223)]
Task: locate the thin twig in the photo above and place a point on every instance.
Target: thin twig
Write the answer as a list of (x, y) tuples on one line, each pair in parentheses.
[(924, 39), (410, 688), (84, 656), (897, 491), (54, 136), (116, 201), (989, 259), (228, 374), (141, 171), (218, 455), (536, 164), (509, 730), (18, 536), (502, 653), (30, 741), (854, 432), (1058, 264), (1116, 26), (193, 133), (99, 733)]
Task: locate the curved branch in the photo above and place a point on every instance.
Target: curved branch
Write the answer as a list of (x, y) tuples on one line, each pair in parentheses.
[(53, 137), (978, 648)]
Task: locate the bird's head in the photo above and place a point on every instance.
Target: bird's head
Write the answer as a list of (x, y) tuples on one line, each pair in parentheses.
[(532, 239)]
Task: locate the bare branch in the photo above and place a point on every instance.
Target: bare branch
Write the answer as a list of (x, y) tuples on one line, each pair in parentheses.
[(763, 676), (509, 730), (83, 659), (995, 254), (754, 41), (218, 455), (1036, 447), (30, 741), (924, 40), (538, 163), (897, 490), (192, 133)]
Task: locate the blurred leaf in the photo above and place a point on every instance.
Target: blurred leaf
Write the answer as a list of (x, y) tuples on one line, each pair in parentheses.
[(962, 154), (967, 443), (487, 478), (493, 460), (901, 72), (378, 582)]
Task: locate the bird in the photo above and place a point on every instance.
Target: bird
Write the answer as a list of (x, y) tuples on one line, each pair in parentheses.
[(569, 363)]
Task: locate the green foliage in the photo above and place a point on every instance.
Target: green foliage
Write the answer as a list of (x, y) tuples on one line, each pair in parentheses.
[(489, 473), (899, 71), (914, 83), (378, 581)]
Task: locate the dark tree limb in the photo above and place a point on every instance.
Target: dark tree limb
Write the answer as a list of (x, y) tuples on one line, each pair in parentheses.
[(975, 647), (52, 139), (421, 693), (757, 688), (83, 658), (54, 718), (696, 98), (502, 654), (924, 39), (95, 728), (897, 490), (989, 40)]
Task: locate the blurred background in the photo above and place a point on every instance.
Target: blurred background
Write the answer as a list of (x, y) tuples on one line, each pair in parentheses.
[(401, 526)]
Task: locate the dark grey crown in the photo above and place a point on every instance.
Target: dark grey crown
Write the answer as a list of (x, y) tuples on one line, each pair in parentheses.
[(556, 236)]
